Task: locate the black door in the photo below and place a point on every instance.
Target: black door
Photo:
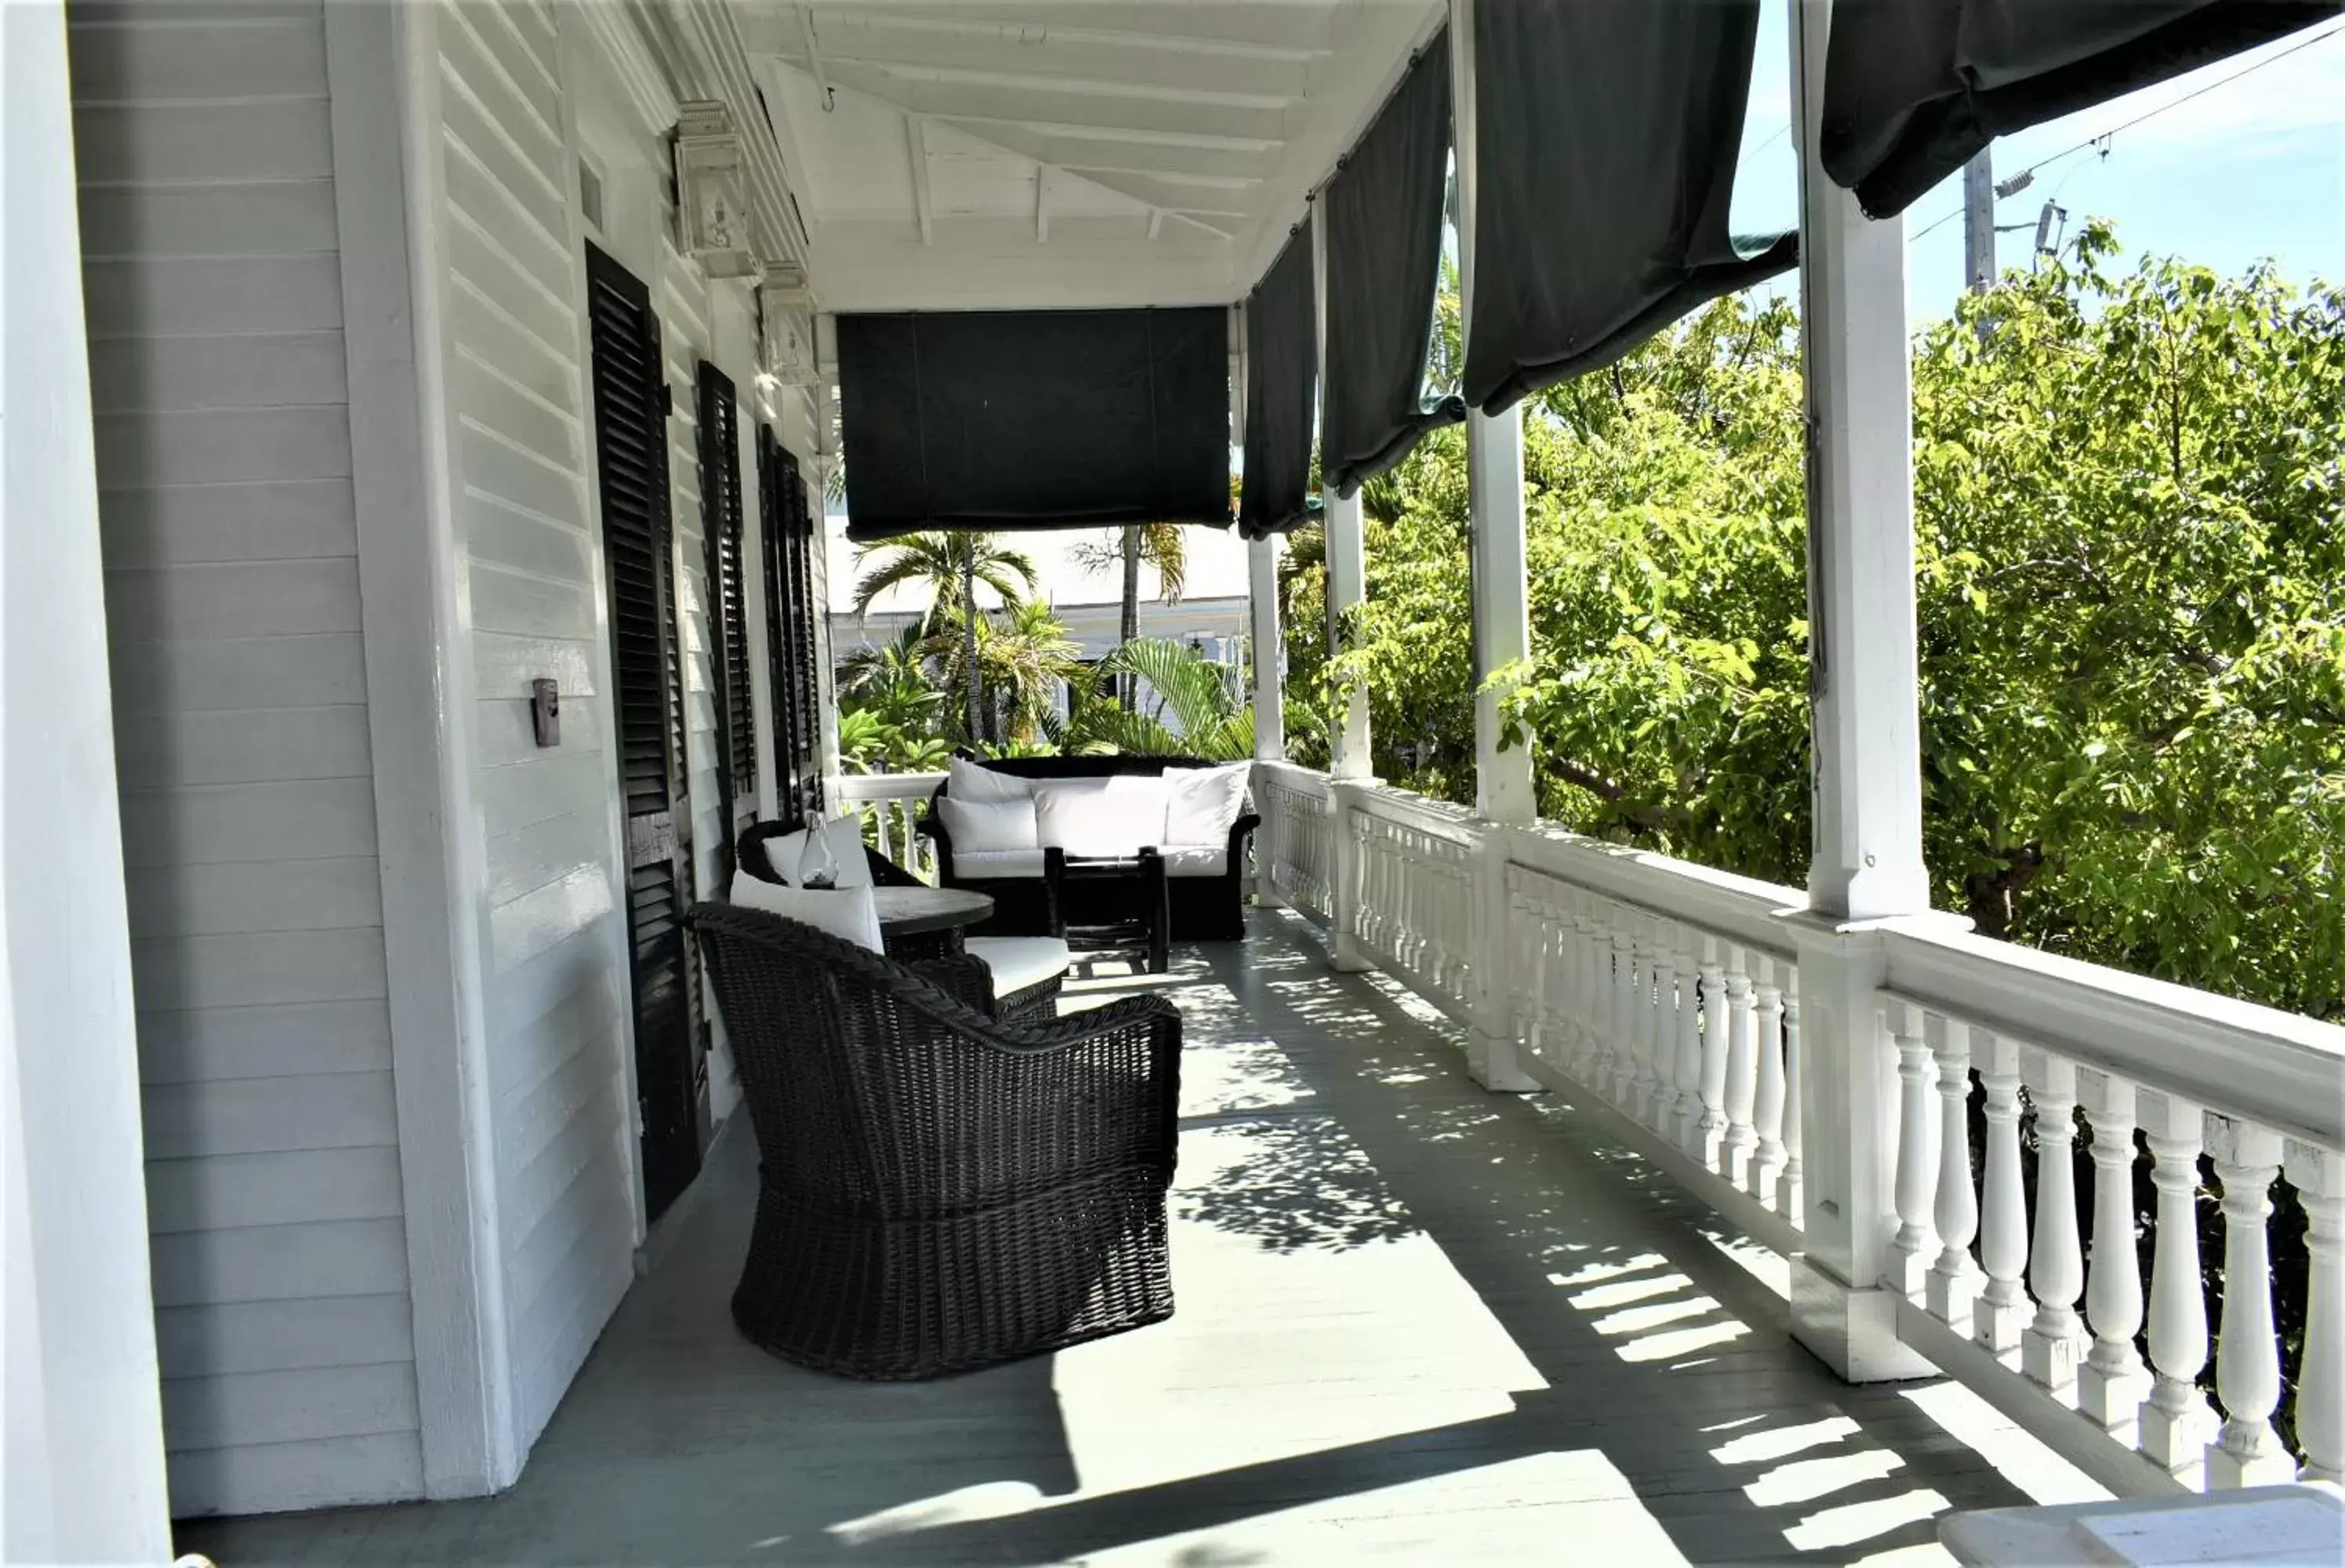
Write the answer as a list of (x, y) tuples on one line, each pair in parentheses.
[(631, 407), (790, 610), (728, 627)]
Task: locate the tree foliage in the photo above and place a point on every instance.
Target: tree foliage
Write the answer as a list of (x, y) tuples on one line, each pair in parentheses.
[(2131, 579)]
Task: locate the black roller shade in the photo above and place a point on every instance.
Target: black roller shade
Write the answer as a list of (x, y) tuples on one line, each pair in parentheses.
[(1606, 139), (1913, 88), (1383, 267), (1282, 365), (1034, 418)]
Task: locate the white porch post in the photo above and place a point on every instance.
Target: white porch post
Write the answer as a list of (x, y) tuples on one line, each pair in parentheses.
[(83, 1444), (1865, 740), (1502, 627), (1494, 468), (1267, 649), (1348, 765)]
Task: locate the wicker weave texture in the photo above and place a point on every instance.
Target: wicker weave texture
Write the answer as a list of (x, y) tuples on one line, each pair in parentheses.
[(941, 1189)]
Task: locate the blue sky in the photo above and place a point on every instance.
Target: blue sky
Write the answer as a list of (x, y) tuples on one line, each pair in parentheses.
[(2253, 168)]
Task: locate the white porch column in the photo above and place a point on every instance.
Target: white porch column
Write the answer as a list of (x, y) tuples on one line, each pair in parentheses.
[(1865, 736), (1348, 764), (1502, 629), (1493, 469), (1268, 650), (83, 1449)]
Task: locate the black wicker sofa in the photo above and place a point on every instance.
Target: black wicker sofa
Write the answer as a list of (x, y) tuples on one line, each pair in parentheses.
[(1205, 883)]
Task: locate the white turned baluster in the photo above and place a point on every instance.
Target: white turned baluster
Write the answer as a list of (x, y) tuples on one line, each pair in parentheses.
[(1916, 1247), (2246, 1451), (1788, 1182), (1645, 1089), (2320, 1379), (1628, 977), (2176, 1422), (2048, 1351), (2001, 1312), (1767, 1101), (2113, 1380), (1742, 1139), (1689, 1043), (1955, 1279), (1714, 1053), (1595, 989), (1663, 1054)]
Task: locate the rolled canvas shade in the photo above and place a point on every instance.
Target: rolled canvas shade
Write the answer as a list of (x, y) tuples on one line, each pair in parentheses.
[(1914, 89), (1034, 418), (1383, 211), (1606, 141), (1282, 364)]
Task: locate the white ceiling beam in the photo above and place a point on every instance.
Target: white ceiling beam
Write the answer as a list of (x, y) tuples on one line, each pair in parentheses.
[(1224, 27), (1042, 204), (995, 263), (1230, 167), (1156, 223), (916, 140), (979, 48), (1044, 102), (814, 54), (1221, 213)]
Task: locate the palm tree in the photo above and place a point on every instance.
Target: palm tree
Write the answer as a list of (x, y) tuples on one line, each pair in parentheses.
[(952, 563), (1161, 545), (1020, 663), (1202, 699)]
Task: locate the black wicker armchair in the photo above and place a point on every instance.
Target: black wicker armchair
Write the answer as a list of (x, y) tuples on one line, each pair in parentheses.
[(941, 1189)]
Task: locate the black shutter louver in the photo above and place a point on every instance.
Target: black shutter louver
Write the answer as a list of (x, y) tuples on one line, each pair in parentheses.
[(791, 539), (721, 514)]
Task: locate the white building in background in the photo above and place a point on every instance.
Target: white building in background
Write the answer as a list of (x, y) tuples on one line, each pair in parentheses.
[(1211, 610)]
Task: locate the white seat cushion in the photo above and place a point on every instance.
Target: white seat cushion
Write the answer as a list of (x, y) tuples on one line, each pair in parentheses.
[(787, 854), (1018, 962), (846, 913), (1196, 859), (1112, 815), (969, 780), (985, 863), (982, 827), (1202, 805)]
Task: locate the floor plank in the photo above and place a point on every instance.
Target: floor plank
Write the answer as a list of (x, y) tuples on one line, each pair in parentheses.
[(1418, 1323)]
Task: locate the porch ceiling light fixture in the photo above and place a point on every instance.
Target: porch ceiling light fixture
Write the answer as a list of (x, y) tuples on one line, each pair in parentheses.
[(712, 187), (784, 305)]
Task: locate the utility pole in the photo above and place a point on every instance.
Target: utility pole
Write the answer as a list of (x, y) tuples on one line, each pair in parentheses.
[(1978, 221)]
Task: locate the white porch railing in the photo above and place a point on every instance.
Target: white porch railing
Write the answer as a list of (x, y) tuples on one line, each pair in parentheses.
[(889, 803), (1668, 995), (1292, 846)]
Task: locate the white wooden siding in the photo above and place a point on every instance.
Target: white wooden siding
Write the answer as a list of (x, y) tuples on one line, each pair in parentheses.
[(562, 1126), (218, 388)]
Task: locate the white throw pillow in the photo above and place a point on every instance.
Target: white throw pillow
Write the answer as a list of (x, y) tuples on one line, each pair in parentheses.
[(1203, 803), (1103, 816), (787, 854), (967, 782), (981, 826), (846, 913)]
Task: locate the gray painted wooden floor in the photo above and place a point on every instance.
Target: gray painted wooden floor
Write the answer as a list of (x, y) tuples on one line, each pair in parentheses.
[(1418, 1323)]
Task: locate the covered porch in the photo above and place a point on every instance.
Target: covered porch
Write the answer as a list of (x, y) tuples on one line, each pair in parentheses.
[(1416, 1323), (1537, 1196)]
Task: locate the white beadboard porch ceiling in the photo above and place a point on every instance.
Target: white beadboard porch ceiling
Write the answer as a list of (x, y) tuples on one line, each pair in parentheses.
[(1023, 154)]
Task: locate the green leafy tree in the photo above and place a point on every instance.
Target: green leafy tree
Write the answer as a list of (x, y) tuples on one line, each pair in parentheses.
[(2131, 573)]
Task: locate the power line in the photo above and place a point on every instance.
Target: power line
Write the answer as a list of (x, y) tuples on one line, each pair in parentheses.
[(2103, 139)]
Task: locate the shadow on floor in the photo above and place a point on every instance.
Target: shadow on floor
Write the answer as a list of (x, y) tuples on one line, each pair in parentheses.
[(1418, 1323)]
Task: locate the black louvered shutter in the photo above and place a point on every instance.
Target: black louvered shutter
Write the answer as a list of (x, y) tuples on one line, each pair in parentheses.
[(728, 626), (791, 539), (631, 404)]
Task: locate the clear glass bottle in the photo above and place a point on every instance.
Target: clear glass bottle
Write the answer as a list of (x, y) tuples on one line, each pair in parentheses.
[(818, 866)]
